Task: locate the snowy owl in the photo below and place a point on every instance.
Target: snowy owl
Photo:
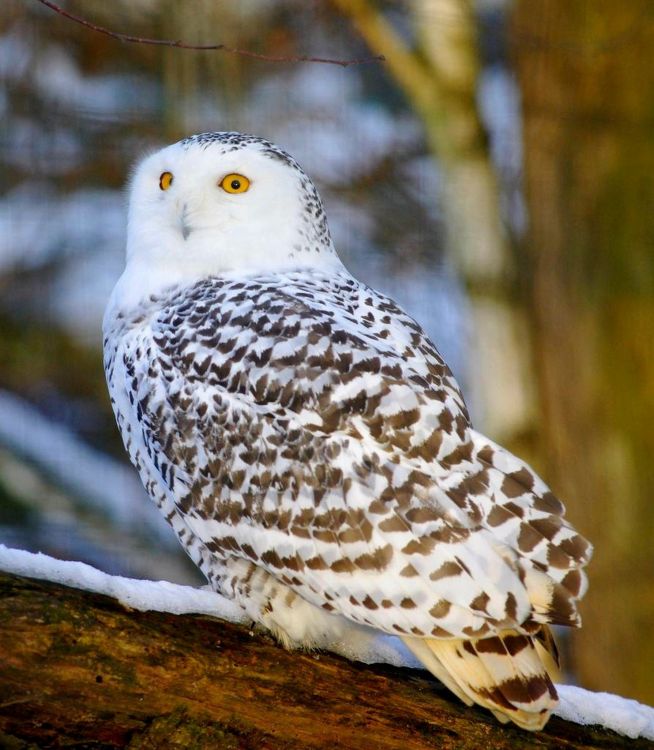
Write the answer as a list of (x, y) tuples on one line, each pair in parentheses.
[(309, 445)]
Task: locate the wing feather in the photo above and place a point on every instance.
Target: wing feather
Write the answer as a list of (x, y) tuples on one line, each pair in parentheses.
[(306, 424)]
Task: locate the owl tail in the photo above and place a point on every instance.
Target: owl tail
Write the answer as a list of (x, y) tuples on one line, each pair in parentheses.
[(506, 673)]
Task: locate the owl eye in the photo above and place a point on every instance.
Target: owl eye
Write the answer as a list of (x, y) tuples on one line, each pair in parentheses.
[(166, 180), (235, 183)]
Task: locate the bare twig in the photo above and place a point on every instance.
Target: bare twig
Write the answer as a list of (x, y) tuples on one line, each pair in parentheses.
[(222, 47)]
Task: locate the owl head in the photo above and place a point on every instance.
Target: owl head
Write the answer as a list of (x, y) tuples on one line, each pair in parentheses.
[(216, 203)]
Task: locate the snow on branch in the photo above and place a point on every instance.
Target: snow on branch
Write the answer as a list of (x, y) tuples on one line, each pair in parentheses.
[(622, 715), (208, 47), (145, 596), (626, 717)]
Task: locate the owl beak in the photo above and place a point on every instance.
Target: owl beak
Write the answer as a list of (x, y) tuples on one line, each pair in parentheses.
[(185, 227)]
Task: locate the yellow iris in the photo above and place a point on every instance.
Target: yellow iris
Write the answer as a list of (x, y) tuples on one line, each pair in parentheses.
[(166, 180), (235, 183)]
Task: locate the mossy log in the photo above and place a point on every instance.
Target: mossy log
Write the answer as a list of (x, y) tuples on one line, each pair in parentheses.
[(79, 669)]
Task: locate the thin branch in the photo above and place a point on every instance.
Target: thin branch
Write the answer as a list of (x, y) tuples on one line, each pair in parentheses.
[(205, 47), (415, 78)]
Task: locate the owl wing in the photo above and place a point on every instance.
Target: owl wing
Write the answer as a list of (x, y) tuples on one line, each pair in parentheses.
[(310, 426), (306, 424)]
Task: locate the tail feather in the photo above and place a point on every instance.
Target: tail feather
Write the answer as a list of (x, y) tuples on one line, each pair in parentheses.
[(421, 649), (551, 601), (548, 652), (504, 673)]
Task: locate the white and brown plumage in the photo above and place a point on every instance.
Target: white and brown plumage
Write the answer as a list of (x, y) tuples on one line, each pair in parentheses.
[(309, 445)]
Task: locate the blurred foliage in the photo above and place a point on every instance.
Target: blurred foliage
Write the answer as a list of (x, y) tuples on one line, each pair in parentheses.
[(587, 76), (51, 368)]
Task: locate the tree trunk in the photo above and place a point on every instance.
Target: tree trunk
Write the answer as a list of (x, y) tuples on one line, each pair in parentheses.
[(440, 79), (80, 669), (587, 78)]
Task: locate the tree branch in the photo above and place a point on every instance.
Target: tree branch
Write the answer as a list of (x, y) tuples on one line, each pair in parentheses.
[(206, 47), (79, 669), (413, 77)]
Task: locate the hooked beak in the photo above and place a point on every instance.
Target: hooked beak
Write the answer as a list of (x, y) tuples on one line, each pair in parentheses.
[(183, 222)]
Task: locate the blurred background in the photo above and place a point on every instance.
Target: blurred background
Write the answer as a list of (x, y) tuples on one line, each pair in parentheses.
[(495, 175)]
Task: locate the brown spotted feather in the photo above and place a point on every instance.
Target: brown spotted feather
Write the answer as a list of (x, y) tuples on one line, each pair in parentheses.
[(313, 453)]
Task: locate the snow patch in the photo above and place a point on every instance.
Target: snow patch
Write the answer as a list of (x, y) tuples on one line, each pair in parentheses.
[(158, 596), (621, 715)]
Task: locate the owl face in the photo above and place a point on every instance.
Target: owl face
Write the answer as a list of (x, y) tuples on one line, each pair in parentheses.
[(222, 202)]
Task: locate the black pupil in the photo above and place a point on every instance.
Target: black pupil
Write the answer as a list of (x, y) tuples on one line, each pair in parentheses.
[(236, 184)]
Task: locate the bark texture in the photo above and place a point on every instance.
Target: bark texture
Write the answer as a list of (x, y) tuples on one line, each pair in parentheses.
[(78, 669)]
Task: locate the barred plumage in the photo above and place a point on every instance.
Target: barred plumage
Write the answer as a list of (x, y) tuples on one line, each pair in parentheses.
[(309, 445)]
